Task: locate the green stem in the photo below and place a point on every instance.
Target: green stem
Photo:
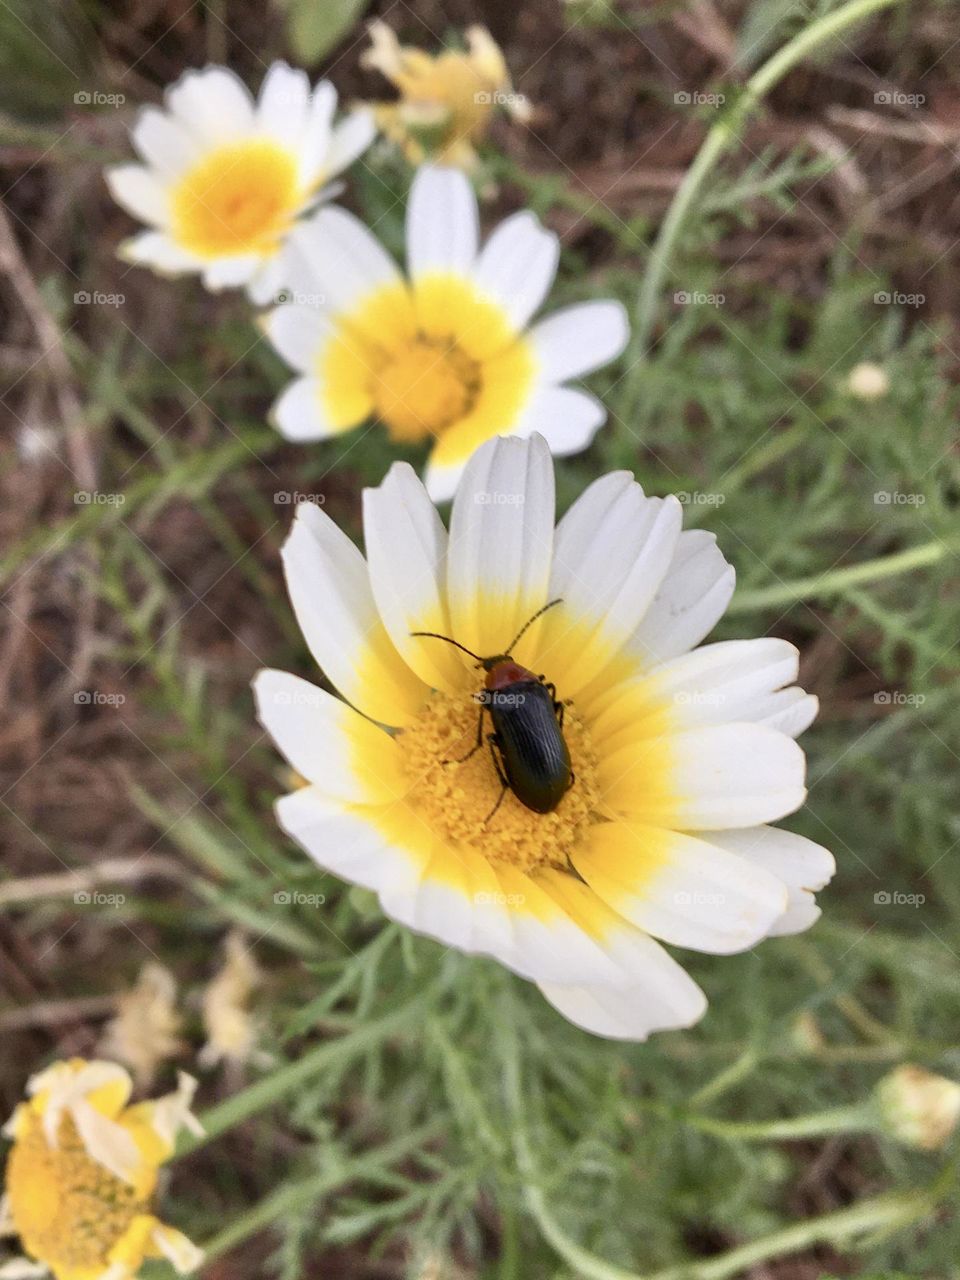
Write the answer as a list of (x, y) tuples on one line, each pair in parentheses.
[(331, 1054), (835, 581), (718, 139), (857, 1118)]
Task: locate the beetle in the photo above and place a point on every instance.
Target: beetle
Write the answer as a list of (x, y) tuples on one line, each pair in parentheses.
[(527, 745)]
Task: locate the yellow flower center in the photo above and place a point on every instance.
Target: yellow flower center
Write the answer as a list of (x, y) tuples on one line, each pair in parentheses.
[(456, 796), (239, 199), (68, 1210), (425, 385)]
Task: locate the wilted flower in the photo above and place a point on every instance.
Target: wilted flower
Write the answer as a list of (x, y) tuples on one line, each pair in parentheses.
[(226, 177), (678, 754), (918, 1107), (446, 101), (231, 1030), (146, 1029), (445, 354), (868, 381), (82, 1172)]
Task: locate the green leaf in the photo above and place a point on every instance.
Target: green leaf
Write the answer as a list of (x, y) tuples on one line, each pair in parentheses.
[(314, 27)]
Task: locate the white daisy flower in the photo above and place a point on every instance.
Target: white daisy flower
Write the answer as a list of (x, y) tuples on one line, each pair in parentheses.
[(225, 176), (678, 756), (446, 353)]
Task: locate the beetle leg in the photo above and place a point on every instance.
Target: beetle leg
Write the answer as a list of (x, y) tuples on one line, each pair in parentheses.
[(504, 784), (477, 745), (573, 778)]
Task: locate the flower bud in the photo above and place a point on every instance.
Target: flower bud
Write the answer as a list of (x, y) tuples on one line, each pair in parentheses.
[(919, 1108)]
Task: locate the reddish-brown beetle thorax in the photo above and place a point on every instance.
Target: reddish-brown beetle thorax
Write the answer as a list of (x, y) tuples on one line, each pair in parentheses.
[(505, 673)]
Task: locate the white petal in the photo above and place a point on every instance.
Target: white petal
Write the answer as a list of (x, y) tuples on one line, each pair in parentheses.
[(298, 412), (501, 535), (690, 601), (338, 839), (299, 334), (268, 281), (442, 222), (155, 249), (326, 741), (577, 339), (140, 192), (517, 265), (802, 865), (707, 779), (230, 273), (316, 137), (791, 711), (284, 103), (343, 262), (166, 144), (406, 546), (213, 104), (348, 141), (611, 552), (330, 591), (567, 419), (633, 1013), (732, 680), (687, 891)]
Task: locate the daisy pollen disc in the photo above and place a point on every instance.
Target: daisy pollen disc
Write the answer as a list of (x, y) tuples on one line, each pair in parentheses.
[(458, 796), (681, 752)]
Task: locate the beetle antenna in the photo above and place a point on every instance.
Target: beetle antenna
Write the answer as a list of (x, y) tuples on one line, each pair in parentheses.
[(529, 623), (433, 635)]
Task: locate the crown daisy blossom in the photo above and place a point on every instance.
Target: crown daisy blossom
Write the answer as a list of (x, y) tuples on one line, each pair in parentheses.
[(672, 757), (446, 101), (445, 354), (83, 1170), (225, 177)]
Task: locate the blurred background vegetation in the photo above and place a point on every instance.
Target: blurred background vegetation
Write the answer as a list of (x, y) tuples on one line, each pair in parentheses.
[(410, 1112)]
